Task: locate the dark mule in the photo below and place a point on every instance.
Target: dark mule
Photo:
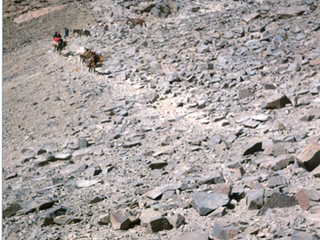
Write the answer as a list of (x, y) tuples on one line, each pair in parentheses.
[(58, 47), (136, 21), (94, 59), (81, 32), (93, 62)]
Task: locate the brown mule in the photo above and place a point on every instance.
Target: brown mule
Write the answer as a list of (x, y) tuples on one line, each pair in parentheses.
[(136, 21)]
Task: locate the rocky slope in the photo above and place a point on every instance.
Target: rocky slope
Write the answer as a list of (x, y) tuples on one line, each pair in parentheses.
[(202, 125)]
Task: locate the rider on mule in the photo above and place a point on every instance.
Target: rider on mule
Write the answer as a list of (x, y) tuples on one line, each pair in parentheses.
[(57, 37)]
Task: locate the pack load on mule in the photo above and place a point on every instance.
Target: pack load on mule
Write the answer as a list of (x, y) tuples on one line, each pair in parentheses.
[(59, 42), (81, 32), (136, 21), (86, 54)]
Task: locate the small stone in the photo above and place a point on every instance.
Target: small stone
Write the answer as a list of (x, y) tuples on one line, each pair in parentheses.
[(119, 221), (158, 224), (315, 210), (181, 128), (278, 200), (62, 156), (157, 165), (177, 220), (316, 172), (78, 169), (250, 123), (275, 181), (315, 61), (131, 144), (252, 148), (12, 175), (289, 12), (269, 86), (261, 118), (206, 203), (278, 100), (309, 158), (11, 210), (250, 17), (64, 219), (104, 219), (147, 215), (303, 199), (254, 199), (218, 213), (245, 93), (97, 199), (216, 177), (157, 192), (83, 143), (218, 232), (47, 217), (299, 235)]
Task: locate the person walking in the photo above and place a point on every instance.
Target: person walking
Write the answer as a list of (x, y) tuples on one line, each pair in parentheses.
[(105, 28), (66, 32)]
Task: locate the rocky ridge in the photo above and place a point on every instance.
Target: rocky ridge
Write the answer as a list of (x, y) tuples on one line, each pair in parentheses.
[(203, 125)]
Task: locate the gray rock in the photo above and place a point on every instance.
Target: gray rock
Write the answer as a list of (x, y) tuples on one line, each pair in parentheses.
[(255, 198), (157, 165), (63, 220), (218, 232), (277, 200), (250, 124), (176, 220), (83, 143), (86, 183), (119, 221), (278, 100), (78, 169), (147, 215), (298, 235), (11, 210), (97, 199), (214, 178), (158, 224), (206, 203), (218, 213), (311, 115), (253, 148), (275, 181), (309, 157), (157, 192), (277, 163), (250, 17), (62, 156), (104, 219), (132, 144), (289, 12), (46, 218), (245, 93), (12, 175)]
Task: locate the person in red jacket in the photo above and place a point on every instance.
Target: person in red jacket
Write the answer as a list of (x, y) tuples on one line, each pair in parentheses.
[(57, 37)]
